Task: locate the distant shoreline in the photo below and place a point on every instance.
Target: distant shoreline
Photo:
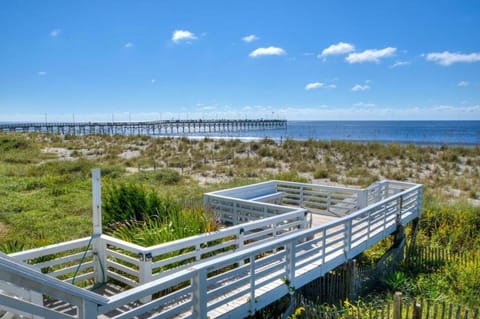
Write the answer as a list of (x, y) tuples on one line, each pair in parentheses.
[(435, 133)]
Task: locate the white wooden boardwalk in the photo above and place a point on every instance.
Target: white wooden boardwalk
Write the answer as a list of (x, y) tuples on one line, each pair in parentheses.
[(283, 235)]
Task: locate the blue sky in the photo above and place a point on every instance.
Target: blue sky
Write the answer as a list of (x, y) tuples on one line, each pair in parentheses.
[(325, 60)]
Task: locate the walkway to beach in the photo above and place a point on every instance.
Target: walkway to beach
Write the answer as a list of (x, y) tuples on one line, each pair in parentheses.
[(283, 235)]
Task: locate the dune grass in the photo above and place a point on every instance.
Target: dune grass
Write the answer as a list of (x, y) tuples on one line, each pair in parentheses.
[(45, 185)]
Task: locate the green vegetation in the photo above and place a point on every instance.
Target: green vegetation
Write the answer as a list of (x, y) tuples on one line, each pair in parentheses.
[(140, 216), (450, 228), (45, 191)]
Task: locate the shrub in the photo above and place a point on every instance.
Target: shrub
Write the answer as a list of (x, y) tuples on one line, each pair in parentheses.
[(320, 172), (176, 224), (129, 201), (17, 150), (291, 176), (167, 176)]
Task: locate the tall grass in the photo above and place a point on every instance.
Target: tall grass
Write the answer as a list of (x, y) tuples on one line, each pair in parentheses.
[(175, 225)]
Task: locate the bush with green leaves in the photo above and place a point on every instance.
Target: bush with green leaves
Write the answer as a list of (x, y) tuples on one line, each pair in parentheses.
[(175, 225), (167, 176), (124, 202)]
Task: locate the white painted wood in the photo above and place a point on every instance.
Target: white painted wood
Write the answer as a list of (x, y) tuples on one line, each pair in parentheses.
[(97, 201), (242, 282), (50, 249), (145, 273)]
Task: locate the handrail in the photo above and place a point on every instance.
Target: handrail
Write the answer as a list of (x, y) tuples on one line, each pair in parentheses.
[(296, 256), (19, 274), (50, 249), (203, 268), (325, 187)]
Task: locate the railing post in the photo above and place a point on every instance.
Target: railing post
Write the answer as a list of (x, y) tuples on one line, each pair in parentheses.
[(290, 262), (347, 241), (37, 299), (98, 243), (399, 210), (235, 213), (87, 310), (252, 285), (301, 196), (199, 294), (145, 272), (362, 199), (419, 201), (324, 246), (97, 201)]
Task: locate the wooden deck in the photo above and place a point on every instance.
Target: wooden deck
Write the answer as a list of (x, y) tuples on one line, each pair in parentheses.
[(231, 273)]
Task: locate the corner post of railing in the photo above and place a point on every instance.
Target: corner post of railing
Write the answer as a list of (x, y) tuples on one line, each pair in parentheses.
[(145, 271), (398, 219), (205, 201), (305, 221), (88, 309), (235, 214), (99, 246), (37, 299), (290, 262), (362, 199), (199, 293), (301, 196), (419, 200)]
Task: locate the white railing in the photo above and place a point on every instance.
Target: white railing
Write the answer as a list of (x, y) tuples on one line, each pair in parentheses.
[(15, 276), (235, 211), (232, 272), (238, 284), (133, 264), (336, 201), (240, 204), (62, 260)]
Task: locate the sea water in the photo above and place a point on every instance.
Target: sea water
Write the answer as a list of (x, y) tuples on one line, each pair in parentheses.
[(416, 132)]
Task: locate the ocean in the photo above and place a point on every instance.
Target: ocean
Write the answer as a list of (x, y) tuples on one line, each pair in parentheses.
[(438, 133), (416, 132)]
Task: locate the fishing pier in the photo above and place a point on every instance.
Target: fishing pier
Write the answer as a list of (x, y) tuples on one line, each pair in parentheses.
[(280, 236), (163, 127)]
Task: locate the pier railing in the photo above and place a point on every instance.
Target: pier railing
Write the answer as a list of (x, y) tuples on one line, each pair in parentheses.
[(161, 127), (232, 272)]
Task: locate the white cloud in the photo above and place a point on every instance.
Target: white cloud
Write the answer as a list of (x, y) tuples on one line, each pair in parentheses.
[(463, 83), (319, 85), (182, 35), (372, 55), (153, 81), (336, 49), (362, 104), (313, 86), (360, 87), (41, 73), (55, 32), (250, 38), (399, 63), (446, 58), (128, 45), (267, 51)]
